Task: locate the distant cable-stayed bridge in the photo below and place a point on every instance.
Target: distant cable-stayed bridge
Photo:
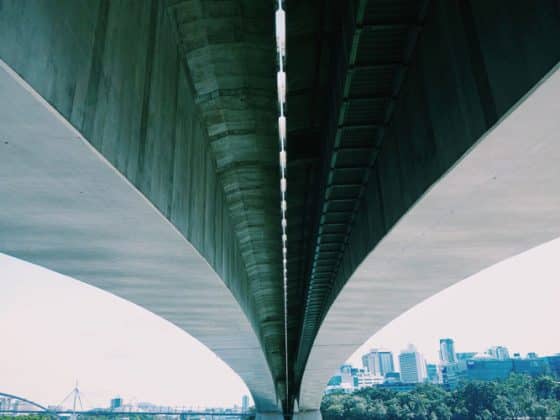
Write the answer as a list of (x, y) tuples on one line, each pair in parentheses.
[(73, 413), (107, 413), (24, 400)]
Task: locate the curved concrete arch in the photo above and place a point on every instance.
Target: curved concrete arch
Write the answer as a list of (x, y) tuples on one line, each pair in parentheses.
[(179, 97), (187, 117), (66, 208), (501, 199)]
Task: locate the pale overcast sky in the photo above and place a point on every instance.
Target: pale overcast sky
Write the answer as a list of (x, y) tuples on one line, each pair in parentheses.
[(514, 303), (55, 330)]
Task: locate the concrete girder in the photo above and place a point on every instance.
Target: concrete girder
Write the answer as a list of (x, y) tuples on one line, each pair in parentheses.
[(501, 199), (303, 415), (230, 57), (269, 416), (307, 415), (467, 71), (67, 209), (115, 73), (193, 128)]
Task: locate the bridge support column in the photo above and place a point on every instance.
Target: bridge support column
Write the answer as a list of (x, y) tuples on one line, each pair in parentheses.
[(269, 416), (308, 415)]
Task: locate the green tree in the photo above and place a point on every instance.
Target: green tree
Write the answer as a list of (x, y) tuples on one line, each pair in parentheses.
[(516, 397), (546, 387)]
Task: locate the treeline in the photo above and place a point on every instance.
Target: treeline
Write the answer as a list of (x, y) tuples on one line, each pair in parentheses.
[(519, 396), (45, 416)]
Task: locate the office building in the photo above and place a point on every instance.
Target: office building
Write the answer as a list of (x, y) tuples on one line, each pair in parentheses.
[(534, 366), (447, 351), (554, 365), (245, 403), (453, 373), (499, 352), (343, 381), (434, 373), (346, 375), (486, 368), (116, 403), (378, 362), (413, 366)]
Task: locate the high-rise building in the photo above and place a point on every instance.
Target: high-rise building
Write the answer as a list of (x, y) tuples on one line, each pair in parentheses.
[(434, 373), (378, 362), (245, 403), (413, 366), (447, 351), (386, 362), (499, 352), (116, 403)]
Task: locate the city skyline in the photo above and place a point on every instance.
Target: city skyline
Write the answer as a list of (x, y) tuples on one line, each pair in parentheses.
[(132, 332), (493, 352), (452, 369), (496, 352), (478, 315)]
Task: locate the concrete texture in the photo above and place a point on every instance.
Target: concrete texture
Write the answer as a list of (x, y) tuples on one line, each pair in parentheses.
[(470, 62), (64, 207), (114, 71), (307, 415), (179, 97), (269, 416), (230, 58), (466, 57), (500, 200)]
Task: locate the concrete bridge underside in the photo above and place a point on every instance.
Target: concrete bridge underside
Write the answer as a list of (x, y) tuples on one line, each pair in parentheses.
[(65, 207), (150, 170)]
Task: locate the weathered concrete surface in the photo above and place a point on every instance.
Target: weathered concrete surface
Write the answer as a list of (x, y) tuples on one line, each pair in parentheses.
[(469, 69), (502, 199), (307, 415), (114, 71), (230, 56), (66, 208), (472, 62), (269, 416), (178, 96)]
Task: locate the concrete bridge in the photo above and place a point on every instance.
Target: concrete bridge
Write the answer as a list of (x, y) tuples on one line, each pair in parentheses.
[(138, 153)]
